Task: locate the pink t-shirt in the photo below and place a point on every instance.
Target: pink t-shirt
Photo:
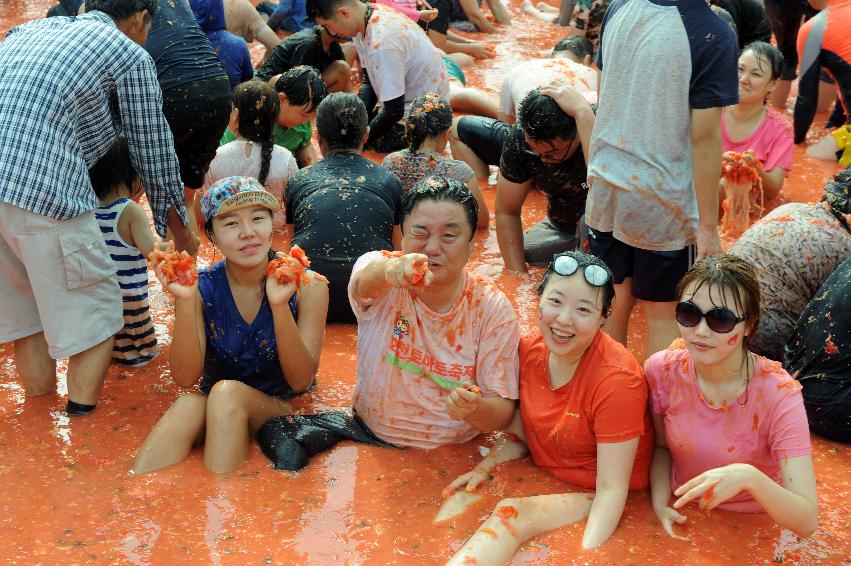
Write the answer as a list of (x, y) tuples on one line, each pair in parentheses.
[(410, 358), (404, 6), (770, 425), (771, 142)]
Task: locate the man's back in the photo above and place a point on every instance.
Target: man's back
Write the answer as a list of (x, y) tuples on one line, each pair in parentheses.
[(529, 75), (180, 49), (59, 78), (660, 60), (342, 207), (399, 57)]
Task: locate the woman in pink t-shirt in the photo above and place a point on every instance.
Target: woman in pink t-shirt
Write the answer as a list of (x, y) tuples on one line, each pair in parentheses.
[(751, 124), (731, 429)]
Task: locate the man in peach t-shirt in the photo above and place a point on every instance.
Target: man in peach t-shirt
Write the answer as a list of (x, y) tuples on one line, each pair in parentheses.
[(419, 340)]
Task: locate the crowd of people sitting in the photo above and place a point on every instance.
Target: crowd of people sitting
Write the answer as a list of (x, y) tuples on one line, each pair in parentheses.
[(622, 129)]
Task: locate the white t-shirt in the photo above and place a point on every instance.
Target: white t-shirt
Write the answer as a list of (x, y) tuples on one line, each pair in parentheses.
[(400, 58), (410, 358), (529, 75), (242, 157)]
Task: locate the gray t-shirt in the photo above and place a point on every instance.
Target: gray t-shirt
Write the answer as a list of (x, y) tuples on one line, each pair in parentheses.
[(660, 59)]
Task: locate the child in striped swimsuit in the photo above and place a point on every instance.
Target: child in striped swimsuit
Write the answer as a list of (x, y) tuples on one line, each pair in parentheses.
[(129, 238)]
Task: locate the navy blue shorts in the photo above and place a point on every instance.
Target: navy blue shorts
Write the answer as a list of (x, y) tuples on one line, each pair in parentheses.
[(655, 275)]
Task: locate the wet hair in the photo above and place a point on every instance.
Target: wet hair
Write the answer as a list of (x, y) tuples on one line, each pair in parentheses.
[(258, 108), (730, 275), (303, 86), (576, 44), (441, 189), (322, 8), (430, 115), (120, 10), (341, 120), (767, 53), (541, 118), (837, 195), (584, 259), (114, 169)]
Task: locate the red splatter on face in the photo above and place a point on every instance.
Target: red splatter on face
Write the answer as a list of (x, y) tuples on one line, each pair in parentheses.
[(733, 340), (755, 422)]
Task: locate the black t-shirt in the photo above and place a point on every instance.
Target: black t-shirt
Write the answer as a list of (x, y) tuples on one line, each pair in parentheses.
[(820, 348), (341, 208), (751, 20), (179, 48), (563, 183), (301, 48)]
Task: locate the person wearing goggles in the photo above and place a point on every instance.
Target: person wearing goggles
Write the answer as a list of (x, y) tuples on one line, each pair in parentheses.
[(731, 429), (582, 416)]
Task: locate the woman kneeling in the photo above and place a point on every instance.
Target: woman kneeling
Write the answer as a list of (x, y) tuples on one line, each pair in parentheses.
[(252, 341), (582, 415)]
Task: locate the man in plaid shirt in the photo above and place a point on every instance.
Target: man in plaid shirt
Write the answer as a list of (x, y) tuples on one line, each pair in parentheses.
[(67, 87)]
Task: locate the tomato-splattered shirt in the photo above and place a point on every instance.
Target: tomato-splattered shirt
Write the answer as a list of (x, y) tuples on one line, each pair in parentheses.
[(605, 402), (410, 357), (794, 248), (765, 425), (399, 57)]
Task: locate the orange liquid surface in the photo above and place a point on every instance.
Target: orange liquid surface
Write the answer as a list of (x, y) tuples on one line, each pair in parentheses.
[(67, 496)]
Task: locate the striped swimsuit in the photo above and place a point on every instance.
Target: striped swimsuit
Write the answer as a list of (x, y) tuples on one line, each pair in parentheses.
[(136, 343)]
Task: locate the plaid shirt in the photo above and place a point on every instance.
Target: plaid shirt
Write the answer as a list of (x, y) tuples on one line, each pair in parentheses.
[(68, 86)]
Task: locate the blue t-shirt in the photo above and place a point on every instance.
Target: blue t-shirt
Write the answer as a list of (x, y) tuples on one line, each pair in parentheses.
[(290, 15), (231, 49), (235, 349), (179, 48)]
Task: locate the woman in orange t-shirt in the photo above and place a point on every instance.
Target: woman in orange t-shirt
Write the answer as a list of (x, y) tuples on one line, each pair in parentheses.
[(582, 415)]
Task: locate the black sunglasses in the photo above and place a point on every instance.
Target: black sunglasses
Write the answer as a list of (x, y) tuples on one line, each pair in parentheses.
[(719, 319), (566, 265)]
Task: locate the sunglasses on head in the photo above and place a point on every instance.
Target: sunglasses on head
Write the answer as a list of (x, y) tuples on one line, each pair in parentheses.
[(566, 265), (719, 319)]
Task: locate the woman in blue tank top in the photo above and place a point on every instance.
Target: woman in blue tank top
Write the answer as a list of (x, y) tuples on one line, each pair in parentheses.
[(250, 341)]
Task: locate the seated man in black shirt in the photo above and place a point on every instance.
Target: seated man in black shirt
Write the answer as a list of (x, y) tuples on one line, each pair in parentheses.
[(345, 205), (314, 47), (547, 149)]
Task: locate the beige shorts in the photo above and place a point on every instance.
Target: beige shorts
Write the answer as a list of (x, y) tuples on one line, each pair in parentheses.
[(56, 277)]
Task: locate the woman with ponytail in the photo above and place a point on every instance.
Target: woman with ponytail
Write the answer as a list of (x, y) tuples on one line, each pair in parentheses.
[(253, 153), (427, 131)]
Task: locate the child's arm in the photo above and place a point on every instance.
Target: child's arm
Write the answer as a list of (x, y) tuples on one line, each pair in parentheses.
[(135, 230)]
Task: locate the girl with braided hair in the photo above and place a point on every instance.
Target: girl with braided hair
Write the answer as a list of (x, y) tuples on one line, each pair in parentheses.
[(253, 153), (426, 132)]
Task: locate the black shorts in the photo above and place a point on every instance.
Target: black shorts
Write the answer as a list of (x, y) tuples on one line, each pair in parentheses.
[(441, 23), (484, 136), (785, 17), (197, 113), (655, 275)]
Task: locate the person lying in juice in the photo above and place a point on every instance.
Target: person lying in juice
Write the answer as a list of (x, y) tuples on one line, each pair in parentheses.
[(731, 429), (252, 341), (582, 416)]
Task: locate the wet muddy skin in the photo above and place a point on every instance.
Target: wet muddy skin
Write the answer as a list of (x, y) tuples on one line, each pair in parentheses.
[(67, 495)]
